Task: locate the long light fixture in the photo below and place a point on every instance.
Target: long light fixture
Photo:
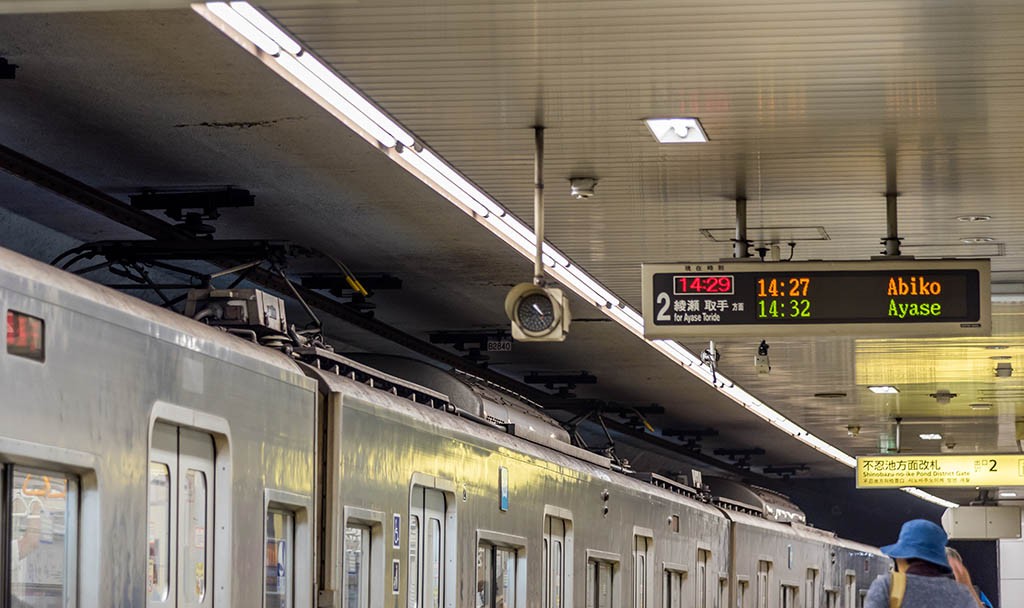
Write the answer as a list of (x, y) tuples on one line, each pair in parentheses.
[(282, 53)]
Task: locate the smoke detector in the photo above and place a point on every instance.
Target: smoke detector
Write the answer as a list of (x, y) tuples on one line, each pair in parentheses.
[(582, 187)]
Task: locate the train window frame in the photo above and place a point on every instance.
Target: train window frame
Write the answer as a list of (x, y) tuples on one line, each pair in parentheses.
[(702, 575), (762, 591), (850, 588), (669, 571), (742, 591), (519, 544), (614, 560), (831, 597), (72, 494), (375, 522), (300, 506), (789, 594), (812, 596)]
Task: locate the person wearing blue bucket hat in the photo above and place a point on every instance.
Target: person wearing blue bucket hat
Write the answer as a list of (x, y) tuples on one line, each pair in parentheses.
[(922, 577)]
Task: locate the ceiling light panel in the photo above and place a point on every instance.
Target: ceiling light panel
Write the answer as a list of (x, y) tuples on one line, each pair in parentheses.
[(677, 130), (884, 390), (930, 436)]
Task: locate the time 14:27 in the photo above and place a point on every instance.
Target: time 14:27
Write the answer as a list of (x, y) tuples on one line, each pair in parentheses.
[(792, 287)]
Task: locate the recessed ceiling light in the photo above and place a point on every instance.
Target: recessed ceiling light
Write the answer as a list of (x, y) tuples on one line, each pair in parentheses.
[(981, 406), (1007, 495), (835, 395), (883, 390), (677, 130), (1000, 357), (997, 347), (974, 218), (974, 240), (930, 436)]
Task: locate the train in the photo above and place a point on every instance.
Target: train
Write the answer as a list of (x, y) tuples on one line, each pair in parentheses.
[(149, 458)]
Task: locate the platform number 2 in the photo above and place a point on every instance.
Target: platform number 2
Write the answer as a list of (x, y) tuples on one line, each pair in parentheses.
[(664, 301)]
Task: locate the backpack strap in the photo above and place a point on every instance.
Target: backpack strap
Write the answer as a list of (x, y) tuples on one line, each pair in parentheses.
[(897, 589)]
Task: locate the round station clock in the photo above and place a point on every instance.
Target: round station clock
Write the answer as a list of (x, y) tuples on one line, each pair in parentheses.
[(537, 313)]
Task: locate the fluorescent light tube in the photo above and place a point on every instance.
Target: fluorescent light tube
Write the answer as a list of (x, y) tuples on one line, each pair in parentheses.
[(266, 26), (243, 27), (335, 100), (364, 107)]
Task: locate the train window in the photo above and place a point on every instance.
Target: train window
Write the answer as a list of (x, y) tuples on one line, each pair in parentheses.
[(180, 506), (357, 571), (703, 560), (600, 583), (764, 571), (742, 591), (557, 561), (429, 546), (673, 588), (641, 549), (25, 335), (194, 541), (497, 576), (811, 591), (851, 589), (159, 547), (279, 557), (414, 560), (788, 596), (40, 509), (831, 598)]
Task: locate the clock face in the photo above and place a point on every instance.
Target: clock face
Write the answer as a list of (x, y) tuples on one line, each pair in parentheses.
[(536, 312)]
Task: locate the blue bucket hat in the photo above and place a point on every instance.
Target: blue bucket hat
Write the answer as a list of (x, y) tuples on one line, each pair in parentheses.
[(921, 539)]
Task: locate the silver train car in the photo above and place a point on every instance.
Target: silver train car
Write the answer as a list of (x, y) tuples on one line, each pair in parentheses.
[(147, 459)]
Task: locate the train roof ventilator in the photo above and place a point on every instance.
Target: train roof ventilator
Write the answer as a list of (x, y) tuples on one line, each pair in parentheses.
[(538, 313)]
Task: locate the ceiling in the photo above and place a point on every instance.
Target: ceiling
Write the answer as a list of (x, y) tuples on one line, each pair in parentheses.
[(814, 110)]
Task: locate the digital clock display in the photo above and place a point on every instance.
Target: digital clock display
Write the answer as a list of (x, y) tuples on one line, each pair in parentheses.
[(703, 284), (879, 298)]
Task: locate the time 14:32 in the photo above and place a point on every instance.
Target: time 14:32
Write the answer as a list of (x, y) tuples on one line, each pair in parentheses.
[(784, 309)]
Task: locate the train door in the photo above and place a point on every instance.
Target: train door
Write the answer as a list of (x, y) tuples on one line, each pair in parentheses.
[(557, 561), (428, 549), (180, 521)]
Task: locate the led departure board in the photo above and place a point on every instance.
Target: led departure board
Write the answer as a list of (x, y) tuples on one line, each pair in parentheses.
[(876, 298)]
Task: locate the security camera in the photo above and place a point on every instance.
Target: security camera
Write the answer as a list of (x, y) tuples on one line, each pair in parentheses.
[(761, 362), (582, 187)]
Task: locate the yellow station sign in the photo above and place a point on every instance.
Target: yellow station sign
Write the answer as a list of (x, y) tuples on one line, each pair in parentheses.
[(942, 470)]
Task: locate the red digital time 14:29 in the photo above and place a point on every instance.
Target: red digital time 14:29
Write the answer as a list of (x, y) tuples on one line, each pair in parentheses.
[(703, 284)]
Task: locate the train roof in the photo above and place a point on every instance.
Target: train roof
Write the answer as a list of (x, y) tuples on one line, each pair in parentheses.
[(23, 275)]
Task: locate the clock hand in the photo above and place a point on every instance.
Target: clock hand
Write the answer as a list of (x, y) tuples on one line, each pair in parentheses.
[(539, 311)]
